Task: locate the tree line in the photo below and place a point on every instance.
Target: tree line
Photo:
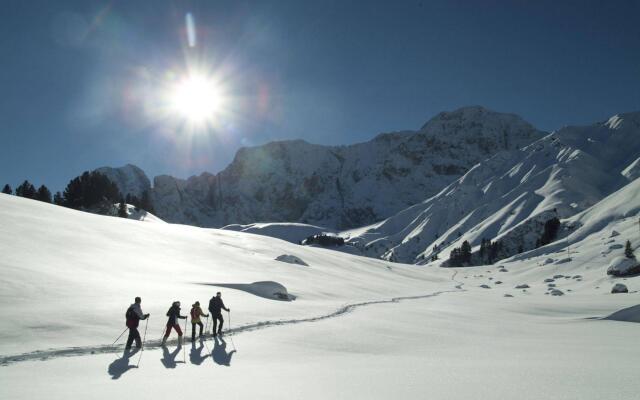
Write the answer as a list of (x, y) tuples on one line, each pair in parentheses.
[(26, 189), (91, 191)]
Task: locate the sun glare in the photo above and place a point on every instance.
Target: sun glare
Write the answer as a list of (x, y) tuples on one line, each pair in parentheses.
[(196, 98)]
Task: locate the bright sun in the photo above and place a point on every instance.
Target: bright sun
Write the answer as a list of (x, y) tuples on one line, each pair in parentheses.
[(196, 98)]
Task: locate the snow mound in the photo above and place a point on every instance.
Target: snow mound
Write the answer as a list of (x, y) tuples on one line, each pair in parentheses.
[(142, 215), (619, 288), (629, 314), (267, 289), (623, 266), (291, 259)]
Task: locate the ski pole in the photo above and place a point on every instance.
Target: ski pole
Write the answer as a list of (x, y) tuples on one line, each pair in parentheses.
[(163, 331), (185, 328), (114, 342), (228, 329), (144, 339), (184, 353), (206, 326)]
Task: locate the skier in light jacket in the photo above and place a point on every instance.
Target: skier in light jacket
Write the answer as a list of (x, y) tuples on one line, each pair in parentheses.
[(134, 315)]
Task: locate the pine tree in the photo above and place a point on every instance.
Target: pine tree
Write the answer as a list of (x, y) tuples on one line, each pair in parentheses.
[(484, 243), (89, 190), (628, 251), (43, 194), (122, 210), (550, 231), (27, 190), (58, 199), (465, 252), (145, 202), (7, 189), (454, 258)]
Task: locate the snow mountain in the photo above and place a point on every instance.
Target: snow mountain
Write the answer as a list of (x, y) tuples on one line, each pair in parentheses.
[(337, 187), (129, 179), (510, 196)]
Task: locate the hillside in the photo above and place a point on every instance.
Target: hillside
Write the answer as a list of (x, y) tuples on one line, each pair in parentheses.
[(350, 326)]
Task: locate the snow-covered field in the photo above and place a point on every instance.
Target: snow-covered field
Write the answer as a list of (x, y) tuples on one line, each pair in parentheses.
[(358, 327)]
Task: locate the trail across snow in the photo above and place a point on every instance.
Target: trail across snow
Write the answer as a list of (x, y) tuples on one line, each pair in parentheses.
[(45, 355)]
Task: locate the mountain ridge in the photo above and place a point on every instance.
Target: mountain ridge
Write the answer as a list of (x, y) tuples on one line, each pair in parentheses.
[(340, 186)]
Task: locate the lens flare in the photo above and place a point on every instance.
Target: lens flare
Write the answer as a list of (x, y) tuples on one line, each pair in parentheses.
[(191, 30)]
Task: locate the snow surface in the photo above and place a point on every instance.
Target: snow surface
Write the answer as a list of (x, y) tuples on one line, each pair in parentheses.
[(358, 327)]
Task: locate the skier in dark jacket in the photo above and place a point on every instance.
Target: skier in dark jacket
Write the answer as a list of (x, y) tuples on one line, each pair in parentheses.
[(134, 315), (172, 322), (215, 307)]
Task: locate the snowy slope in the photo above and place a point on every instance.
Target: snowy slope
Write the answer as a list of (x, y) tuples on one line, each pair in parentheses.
[(511, 195), (335, 186), (66, 278), (67, 267)]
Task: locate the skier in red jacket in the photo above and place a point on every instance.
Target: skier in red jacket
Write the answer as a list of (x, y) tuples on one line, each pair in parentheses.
[(134, 315)]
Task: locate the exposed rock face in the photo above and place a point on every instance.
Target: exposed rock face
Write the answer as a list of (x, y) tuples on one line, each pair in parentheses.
[(341, 187), (129, 179)]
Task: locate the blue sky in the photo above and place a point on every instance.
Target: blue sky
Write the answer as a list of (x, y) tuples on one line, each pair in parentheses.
[(77, 77)]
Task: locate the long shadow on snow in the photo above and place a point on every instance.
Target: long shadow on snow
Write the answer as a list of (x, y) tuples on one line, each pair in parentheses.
[(121, 365), (169, 359), (195, 355), (220, 355)]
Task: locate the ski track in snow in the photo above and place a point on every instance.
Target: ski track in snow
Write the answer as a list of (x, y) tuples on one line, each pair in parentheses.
[(44, 355)]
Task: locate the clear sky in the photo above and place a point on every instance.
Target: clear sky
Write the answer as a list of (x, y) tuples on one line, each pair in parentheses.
[(83, 83)]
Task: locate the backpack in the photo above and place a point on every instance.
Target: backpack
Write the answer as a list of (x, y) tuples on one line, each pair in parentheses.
[(194, 313), (132, 318)]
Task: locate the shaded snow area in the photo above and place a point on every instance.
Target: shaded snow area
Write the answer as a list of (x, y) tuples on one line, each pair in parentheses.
[(291, 232), (291, 259), (359, 328)]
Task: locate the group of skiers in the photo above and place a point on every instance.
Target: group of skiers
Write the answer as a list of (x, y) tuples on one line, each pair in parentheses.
[(134, 314)]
